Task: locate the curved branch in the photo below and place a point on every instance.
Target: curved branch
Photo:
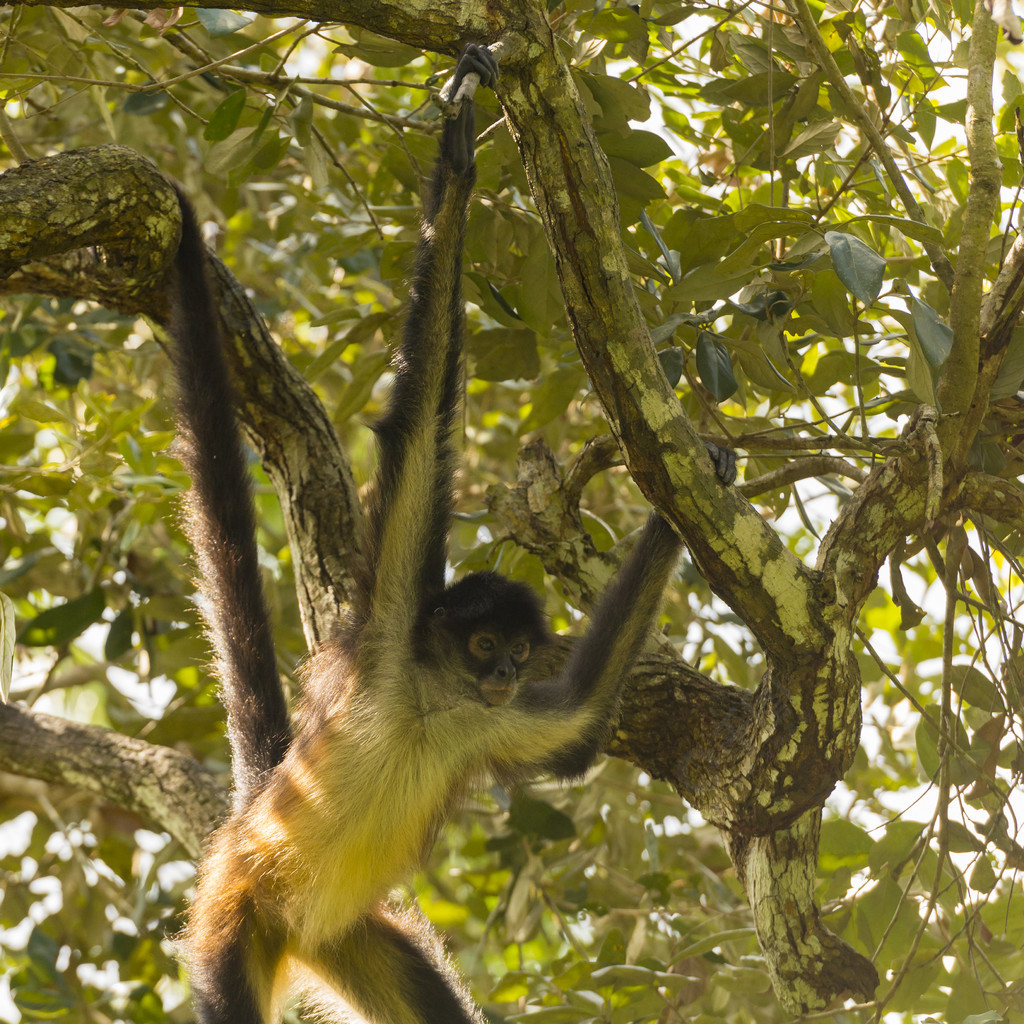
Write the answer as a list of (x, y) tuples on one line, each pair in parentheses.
[(131, 214), (430, 24), (801, 469), (168, 788)]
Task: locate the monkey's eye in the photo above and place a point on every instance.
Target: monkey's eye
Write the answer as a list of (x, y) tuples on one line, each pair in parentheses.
[(482, 645), (520, 650)]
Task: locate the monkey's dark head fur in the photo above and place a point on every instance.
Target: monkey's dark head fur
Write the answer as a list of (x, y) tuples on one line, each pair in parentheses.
[(488, 598)]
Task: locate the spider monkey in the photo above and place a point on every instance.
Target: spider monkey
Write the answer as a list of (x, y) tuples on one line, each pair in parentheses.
[(424, 690)]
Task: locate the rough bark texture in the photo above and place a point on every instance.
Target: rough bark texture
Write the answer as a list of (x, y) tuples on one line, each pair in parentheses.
[(160, 784), (116, 248)]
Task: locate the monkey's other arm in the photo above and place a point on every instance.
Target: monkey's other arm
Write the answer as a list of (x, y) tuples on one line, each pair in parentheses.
[(406, 541)]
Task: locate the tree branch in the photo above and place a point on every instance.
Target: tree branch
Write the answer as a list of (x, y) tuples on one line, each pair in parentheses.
[(571, 183), (956, 386), (170, 789), (131, 215)]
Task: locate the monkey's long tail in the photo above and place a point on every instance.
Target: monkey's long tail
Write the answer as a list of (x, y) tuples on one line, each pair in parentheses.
[(221, 524)]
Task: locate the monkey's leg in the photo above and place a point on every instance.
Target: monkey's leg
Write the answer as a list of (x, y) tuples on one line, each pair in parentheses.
[(390, 969), (232, 964)]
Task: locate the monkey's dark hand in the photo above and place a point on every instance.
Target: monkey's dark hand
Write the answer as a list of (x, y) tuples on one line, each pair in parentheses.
[(724, 460), (459, 136)]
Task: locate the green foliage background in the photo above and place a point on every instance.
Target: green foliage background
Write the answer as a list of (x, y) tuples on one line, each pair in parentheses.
[(790, 298)]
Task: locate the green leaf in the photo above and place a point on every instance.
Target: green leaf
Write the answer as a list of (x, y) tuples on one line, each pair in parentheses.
[(502, 301), (119, 636), (859, 267), (365, 374), (617, 25), (911, 228), (223, 23), (752, 90), (552, 396), (269, 155), (224, 119), (934, 337), (531, 817), (634, 183), (73, 361), (620, 102), (843, 842), (976, 688), (504, 354), (813, 140), (615, 976), (714, 367), (637, 147), (301, 120), (378, 50), (145, 103), (926, 738), (1011, 371), (672, 361), (60, 625)]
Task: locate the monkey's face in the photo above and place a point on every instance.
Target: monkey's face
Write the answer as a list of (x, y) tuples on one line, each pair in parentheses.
[(496, 661), (488, 626)]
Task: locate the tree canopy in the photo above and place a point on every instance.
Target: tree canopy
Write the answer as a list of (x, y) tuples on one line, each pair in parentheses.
[(788, 228)]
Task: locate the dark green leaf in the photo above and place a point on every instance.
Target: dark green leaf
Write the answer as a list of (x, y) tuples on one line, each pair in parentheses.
[(934, 337), (224, 119), (502, 301), (632, 182), (270, 153), (530, 817), (859, 267), (119, 636), (672, 361), (60, 625), (73, 361), (714, 367)]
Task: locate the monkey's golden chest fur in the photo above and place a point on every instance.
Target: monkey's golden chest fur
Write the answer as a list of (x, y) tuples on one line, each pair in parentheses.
[(342, 820)]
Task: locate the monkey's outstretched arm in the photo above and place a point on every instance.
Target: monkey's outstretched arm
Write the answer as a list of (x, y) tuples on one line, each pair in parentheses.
[(560, 725), (221, 525), (407, 527)]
